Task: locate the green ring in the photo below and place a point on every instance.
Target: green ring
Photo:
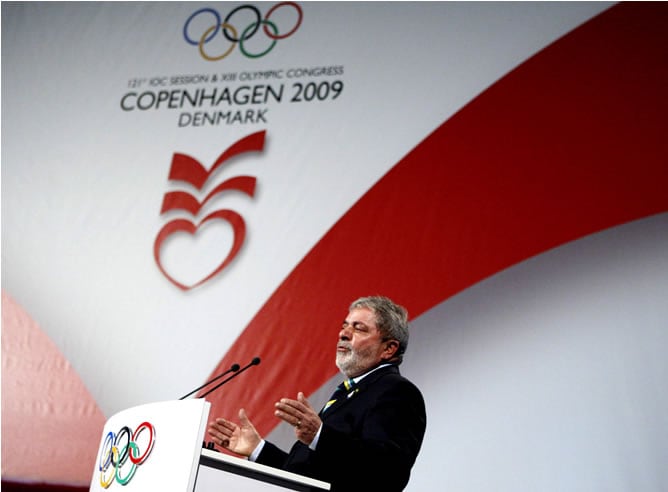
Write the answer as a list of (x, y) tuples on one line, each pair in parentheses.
[(243, 36), (128, 477)]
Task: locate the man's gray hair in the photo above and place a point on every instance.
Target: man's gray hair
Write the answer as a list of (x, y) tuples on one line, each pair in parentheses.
[(391, 319)]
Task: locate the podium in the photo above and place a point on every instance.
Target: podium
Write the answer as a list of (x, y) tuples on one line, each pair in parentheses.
[(158, 446)]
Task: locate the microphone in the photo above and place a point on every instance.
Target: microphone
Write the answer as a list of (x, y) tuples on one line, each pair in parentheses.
[(233, 368), (254, 362)]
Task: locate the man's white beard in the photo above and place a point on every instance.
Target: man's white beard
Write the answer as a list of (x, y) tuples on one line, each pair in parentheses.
[(344, 360), (352, 363)]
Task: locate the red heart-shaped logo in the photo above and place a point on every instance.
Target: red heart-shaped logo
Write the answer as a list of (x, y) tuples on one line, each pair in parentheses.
[(184, 225)]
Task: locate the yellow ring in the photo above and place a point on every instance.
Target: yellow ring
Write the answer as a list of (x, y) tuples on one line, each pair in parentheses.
[(202, 40)]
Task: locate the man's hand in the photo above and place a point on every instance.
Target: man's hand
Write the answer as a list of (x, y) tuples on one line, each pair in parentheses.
[(241, 439), (300, 414)]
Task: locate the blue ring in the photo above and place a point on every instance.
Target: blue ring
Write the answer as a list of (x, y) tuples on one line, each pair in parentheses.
[(197, 12), (109, 437)]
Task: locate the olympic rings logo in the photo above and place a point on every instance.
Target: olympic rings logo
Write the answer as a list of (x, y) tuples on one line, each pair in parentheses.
[(231, 33), (117, 448)]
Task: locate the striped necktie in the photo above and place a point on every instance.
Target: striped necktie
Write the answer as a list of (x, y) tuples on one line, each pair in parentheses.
[(343, 389)]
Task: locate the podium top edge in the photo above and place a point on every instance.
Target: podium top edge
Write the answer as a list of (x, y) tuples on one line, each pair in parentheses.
[(219, 460)]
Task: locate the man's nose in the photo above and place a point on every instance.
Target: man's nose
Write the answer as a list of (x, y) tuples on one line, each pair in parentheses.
[(344, 334)]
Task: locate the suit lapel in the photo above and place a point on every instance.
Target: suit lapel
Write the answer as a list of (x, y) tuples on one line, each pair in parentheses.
[(359, 388)]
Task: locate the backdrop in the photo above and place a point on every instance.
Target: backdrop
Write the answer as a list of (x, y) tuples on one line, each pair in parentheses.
[(190, 185)]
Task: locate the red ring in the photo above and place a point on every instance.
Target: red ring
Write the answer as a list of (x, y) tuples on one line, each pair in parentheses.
[(271, 10), (139, 459)]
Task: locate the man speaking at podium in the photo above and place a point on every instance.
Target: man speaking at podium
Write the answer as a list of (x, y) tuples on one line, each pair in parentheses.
[(368, 435)]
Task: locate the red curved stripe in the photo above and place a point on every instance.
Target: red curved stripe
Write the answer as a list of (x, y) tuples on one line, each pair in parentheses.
[(571, 142)]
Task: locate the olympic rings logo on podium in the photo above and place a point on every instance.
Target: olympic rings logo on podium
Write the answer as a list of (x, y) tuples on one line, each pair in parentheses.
[(240, 36), (118, 447)]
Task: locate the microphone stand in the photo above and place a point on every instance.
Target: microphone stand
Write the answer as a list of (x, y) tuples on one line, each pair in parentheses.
[(233, 368), (254, 362)]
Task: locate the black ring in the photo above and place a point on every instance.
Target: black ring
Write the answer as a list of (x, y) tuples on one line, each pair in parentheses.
[(126, 449), (257, 22)]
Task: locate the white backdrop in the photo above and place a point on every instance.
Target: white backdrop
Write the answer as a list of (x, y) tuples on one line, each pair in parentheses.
[(85, 180), (551, 375)]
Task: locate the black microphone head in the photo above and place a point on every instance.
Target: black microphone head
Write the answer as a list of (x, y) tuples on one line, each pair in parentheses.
[(234, 368), (255, 361)]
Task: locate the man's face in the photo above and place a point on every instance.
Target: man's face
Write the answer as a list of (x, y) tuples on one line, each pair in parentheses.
[(360, 344)]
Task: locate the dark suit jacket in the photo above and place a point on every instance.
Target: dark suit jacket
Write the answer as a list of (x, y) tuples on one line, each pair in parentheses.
[(368, 442)]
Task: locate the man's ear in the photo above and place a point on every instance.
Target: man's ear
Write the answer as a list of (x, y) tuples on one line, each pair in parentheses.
[(390, 349)]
